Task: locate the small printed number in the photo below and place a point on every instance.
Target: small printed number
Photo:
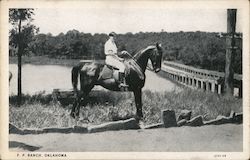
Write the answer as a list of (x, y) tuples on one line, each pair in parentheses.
[(220, 155)]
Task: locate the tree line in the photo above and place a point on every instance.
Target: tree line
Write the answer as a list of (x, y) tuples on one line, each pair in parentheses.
[(199, 49)]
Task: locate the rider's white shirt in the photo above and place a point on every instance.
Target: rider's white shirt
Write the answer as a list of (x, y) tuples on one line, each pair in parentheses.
[(110, 48)]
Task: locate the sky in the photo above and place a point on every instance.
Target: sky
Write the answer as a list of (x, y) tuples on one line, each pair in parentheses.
[(102, 20)]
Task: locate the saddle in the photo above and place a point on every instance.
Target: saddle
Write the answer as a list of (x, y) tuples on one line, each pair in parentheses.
[(109, 72)]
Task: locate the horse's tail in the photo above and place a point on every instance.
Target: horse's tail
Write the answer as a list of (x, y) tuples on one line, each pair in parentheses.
[(74, 76)]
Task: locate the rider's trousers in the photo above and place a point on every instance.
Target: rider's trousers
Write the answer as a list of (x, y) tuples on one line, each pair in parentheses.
[(113, 61)]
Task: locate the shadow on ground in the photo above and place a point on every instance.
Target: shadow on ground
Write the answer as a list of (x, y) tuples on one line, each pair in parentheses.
[(15, 144)]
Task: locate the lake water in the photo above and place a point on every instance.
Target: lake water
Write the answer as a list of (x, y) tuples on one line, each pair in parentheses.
[(38, 78)]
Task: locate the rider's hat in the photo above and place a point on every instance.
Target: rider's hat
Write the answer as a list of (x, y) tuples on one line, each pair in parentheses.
[(112, 34)]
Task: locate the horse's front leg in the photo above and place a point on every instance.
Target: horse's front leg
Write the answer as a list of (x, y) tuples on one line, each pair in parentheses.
[(138, 103)]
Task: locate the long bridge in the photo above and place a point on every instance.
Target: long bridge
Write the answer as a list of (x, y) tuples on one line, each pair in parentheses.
[(199, 78)]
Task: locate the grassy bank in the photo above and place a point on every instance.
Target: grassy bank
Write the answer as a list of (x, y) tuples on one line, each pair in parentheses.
[(38, 111), (44, 60)]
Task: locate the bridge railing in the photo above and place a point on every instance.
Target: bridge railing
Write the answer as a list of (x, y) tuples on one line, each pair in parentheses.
[(199, 78), (202, 72)]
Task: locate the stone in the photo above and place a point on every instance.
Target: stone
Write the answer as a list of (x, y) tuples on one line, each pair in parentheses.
[(238, 118), (181, 122), (152, 126), (117, 125), (14, 130), (32, 131), (219, 120), (185, 114), (57, 130), (232, 114), (168, 118), (79, 129), (196, 121)]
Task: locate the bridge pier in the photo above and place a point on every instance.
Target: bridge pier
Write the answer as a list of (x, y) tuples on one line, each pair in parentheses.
[(219, 89), (194, 82), (213, 87), (202, 85), (207, 86), (189, 81), (198, 84)]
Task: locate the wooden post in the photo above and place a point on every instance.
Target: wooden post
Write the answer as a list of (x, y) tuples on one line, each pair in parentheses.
[(230, 52)]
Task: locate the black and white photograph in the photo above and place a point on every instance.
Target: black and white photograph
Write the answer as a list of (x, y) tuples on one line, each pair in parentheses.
[(125, 79)]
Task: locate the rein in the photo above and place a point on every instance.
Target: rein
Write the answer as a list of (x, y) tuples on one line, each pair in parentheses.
[(147, 67)]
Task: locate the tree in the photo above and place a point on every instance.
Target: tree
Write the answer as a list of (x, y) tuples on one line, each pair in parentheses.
[(20, 35)]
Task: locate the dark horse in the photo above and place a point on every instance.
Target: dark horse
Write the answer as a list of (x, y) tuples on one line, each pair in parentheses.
[(94, 73)]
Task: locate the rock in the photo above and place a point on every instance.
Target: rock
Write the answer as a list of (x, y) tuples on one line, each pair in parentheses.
[(185, 114), (79, 129), (181, 122), (14, 130), (238, 118), (118, 125), (232, 114), (32, 131), (57, 130), (219, 120), (168, 118), (196, 121), (152, 126)]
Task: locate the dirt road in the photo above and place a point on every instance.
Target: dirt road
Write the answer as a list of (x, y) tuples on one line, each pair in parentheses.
[(228, 137)]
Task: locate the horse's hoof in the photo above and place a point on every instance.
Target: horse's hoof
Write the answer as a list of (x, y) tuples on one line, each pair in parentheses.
[(138, 119), (77, 118), (72, 115)]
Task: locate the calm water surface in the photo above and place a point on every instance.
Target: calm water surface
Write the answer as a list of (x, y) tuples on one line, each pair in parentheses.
[(38, 78)]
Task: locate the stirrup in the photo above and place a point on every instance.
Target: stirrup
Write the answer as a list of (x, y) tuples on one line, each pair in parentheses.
[(123, 87)]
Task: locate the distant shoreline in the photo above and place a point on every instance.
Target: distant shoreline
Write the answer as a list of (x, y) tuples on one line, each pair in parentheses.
[(45, 60)]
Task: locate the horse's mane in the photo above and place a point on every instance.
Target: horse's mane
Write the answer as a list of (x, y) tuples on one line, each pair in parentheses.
[(140, 52)]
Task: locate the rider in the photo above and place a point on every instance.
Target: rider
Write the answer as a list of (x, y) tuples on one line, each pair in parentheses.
[(112, 58)]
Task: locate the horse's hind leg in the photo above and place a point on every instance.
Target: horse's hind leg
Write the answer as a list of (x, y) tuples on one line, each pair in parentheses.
[(82, 95)]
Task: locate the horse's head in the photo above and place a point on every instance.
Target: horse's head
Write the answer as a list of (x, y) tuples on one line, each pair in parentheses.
[(156, 57)]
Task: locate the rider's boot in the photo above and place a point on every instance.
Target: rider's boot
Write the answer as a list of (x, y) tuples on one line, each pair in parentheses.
[(122, 80)]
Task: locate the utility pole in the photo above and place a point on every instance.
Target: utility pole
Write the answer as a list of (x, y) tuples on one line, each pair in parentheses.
[(230, 52)]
